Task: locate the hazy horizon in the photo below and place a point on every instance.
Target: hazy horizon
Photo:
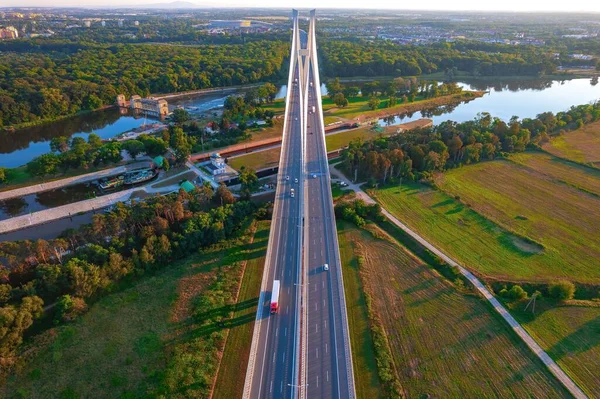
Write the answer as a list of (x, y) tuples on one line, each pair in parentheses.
[(434, 5)]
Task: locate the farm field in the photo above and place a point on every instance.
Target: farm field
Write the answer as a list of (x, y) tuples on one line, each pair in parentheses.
[(368, 385), (475, 241), (229, 382), (562, 219), (444, 343), (570, 335), (581, 145), (559, 170), (150, 339)]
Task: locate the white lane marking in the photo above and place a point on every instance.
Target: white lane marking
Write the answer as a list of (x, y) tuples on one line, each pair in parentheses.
[(317, 381), (271, 389), (323, 284), (287, 308), (273, 357), (315, 306), (276, 331), (289, 273), (283, 357), (315, 287), (317, 353), (285, 332), (327, 375), (288, 291), (281, 388), (323, 302), (316, 327), (326, 348), (325, 323)]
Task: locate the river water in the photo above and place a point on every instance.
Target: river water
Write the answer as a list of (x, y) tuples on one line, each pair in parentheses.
[(505, 99)]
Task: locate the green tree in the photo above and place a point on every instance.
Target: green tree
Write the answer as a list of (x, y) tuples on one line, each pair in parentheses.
[(249, 182), (59, 144), (334, 86), (374, 102), (44, 165), (68, 308), (3, 175), (180, 115), (340, 100), (562, 290), (133, 147), (180, 145)]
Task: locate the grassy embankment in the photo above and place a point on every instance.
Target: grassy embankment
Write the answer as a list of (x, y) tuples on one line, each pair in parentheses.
[(534, 219), (164, 335), (443, 342), (581, 145)]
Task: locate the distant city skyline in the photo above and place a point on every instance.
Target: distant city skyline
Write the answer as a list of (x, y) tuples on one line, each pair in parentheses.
[(432, 5)]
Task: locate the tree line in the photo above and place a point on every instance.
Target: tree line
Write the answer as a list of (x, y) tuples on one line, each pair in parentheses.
[(125, 243), (380, 57), (415, 154)]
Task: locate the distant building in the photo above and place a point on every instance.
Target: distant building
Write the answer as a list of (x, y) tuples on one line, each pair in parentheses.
[(87, 23), (121, 101), (239, 24), (151, 105), (103, 23), (217, 164), (10, 32), (120, 23), (136, 23)]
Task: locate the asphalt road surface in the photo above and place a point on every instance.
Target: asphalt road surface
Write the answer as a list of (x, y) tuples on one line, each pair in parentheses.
[(274, 370), (329, 366)]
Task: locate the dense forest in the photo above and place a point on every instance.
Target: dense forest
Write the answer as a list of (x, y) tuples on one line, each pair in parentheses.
[(414, 155), (49, 80), (126, 243), (345, 59)]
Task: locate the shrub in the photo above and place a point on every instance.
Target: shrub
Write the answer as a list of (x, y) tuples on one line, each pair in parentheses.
[(562, 290), (517, 293)]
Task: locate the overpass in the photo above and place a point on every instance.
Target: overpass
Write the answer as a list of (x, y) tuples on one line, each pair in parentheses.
[(304, 349)]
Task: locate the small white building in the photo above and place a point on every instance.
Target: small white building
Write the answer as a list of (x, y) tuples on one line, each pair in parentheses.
[(217, 164)]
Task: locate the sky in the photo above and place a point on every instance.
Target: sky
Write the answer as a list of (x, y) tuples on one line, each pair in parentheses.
[(505, 5)]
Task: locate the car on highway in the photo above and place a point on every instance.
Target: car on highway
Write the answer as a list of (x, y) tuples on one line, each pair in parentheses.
[(296, 180), (325, 267), (292, 193), (314, 175), (287, 178)]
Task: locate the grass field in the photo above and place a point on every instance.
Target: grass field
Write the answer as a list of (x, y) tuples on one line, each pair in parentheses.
[(257, 160), (511, 222), (368, 385), (230, 380), (571, 336), (581, 145), (560, 170), (563, 219), (162, 337), (444, 343)]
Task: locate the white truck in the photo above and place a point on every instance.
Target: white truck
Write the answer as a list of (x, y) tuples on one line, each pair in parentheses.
[(275, 297), (313, 109)]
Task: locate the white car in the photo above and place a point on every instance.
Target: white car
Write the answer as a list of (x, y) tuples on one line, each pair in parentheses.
[(314, 176), (325, 267), (287, 178), (292, 193), (296, 180)]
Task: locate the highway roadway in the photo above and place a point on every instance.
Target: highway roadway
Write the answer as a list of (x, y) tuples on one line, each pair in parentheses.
[(329, 371), (274, 359)]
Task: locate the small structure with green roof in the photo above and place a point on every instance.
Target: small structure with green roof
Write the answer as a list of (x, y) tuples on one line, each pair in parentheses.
[(159, 161), (187, 186)]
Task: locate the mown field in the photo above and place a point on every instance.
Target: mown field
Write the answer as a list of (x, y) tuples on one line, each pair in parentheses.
[(560, 170), (570, 335), (581, 145), (444, 343), (505, 221), (533, 204), (161, 337)]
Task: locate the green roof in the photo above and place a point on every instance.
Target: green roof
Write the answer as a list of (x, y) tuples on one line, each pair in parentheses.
[(187, 186), (158, 161)]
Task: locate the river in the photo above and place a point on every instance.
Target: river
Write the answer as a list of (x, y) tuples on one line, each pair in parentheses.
[(524, 98)]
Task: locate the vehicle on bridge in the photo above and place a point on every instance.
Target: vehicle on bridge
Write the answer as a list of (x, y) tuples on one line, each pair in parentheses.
[(275, 297), (292, 193)]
